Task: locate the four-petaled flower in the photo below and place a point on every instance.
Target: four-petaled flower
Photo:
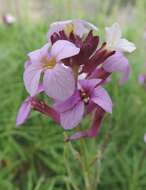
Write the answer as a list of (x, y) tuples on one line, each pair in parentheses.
[(58, 80)]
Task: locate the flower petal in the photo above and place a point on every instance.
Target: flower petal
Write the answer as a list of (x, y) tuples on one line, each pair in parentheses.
[(57, 26), (59, 82), (118, 63), (124, 45), (31, 78), (69, 103), (63, 49), (27, 64), (102, 99), (72, 117), (82, 27), (93, 131), (89, 84), (114, 40), (37, 55), (23, 112), (113, 34)]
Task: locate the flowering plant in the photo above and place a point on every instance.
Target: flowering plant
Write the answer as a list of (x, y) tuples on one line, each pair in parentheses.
[(72, 68)]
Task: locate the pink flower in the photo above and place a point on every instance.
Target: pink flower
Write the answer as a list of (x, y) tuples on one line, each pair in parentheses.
[(58, 80), (9, 19), (89, 93)]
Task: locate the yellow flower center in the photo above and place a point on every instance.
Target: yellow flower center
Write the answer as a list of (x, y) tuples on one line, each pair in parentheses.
[(69, 28), (48, 63)]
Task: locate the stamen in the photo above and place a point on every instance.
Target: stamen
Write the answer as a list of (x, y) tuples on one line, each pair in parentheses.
[(84, 97)]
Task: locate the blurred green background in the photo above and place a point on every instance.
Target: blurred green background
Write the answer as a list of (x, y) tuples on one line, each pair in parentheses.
[(32, 157)]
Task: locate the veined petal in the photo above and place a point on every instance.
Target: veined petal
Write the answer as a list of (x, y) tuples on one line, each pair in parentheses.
[(31, 78), (102, 99), (72, 117), (59, 82), (63, 49), (23, 112)]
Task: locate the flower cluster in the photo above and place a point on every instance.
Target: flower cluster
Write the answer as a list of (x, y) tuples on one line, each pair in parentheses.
[(72, 69)]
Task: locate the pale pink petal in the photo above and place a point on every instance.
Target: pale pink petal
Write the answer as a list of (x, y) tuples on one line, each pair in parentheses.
[(102, 99), (37, 55), (118, 63), (93, 131), (23, 112), (59, 82), (71, 118), (63, 49), (31, 78)]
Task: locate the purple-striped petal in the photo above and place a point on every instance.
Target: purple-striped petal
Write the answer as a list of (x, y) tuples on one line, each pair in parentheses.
[(59, 82)]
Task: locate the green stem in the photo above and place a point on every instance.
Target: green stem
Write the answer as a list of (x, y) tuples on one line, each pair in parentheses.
[(85, 166)]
